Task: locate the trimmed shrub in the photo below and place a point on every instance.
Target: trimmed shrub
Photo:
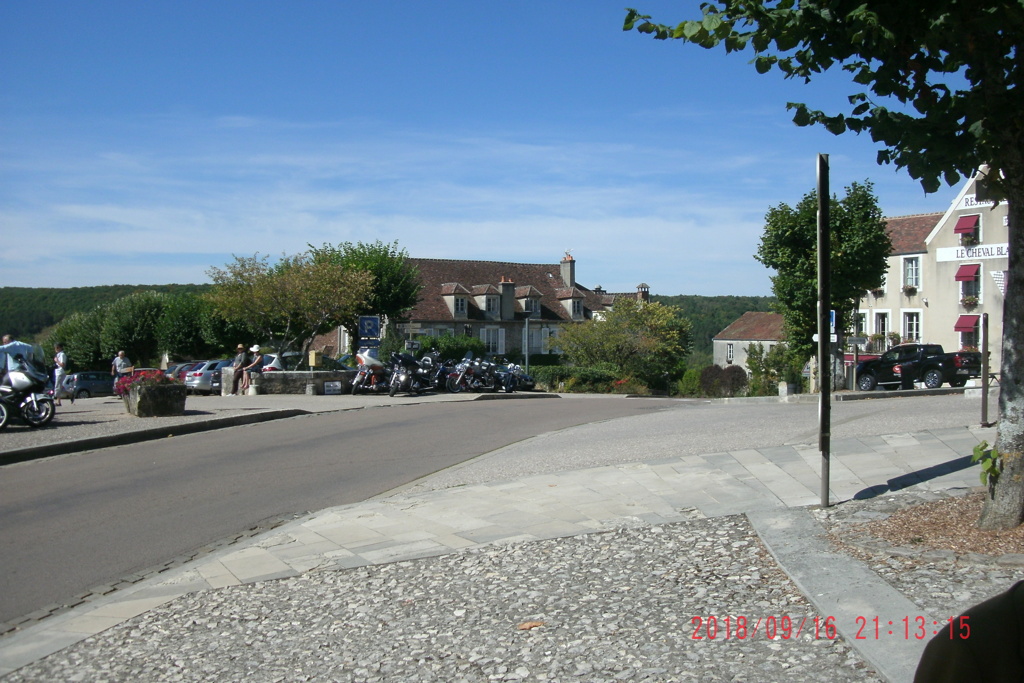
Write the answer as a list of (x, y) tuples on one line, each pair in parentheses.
[(711, 381), (734, 380), (689, 385)]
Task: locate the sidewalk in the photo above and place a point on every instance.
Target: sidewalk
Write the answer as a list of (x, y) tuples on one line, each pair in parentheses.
[(593, 574)]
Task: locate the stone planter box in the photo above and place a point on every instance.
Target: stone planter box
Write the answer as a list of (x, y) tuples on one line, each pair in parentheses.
[(156, 401)]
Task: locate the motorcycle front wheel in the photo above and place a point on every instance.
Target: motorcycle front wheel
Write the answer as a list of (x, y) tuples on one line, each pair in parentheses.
[(39, 414), (453, 385)]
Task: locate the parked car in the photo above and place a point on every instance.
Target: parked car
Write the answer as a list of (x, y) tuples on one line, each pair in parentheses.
[(86, 384), (198, 380), (172, 369), (905, 364), (179, 372), (294, 360)]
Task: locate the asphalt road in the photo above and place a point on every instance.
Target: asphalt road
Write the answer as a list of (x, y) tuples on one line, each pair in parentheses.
[(73, 523)]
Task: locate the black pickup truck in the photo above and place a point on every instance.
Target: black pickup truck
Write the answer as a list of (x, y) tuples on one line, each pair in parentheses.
[(905, 364)]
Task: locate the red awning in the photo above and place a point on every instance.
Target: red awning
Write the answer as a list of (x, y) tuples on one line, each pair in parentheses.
[(966, 224), (968, 272), (966, 323)]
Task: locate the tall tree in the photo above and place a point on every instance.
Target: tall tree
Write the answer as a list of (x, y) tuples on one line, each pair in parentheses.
[(940, 86), (860, 247), (396, 282), (129, 325), (289, 302)]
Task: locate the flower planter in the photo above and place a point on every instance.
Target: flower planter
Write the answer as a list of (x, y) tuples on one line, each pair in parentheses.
[(156, 401)]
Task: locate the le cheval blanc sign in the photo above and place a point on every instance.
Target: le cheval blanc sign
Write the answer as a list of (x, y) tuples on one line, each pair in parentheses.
[(978, 251)]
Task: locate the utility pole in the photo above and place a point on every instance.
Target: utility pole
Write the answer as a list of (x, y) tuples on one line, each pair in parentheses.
[(824, 327)]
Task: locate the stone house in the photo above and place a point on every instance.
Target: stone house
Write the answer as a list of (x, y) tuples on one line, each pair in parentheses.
[(514, 308), (729, 347)]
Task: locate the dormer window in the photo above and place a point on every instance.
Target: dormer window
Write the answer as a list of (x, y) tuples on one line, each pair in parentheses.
[(460, 305), (530, 305), (577, 308), (493, 305)]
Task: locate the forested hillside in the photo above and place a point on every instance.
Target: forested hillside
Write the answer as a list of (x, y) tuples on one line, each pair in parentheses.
[(26, 311), (709, 315)]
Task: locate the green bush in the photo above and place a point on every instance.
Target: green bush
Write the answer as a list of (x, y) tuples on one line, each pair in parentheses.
[(689, 385), (453, 347), (551, 377)]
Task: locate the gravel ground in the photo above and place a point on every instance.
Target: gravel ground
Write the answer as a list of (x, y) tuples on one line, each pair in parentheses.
[(615, 606)]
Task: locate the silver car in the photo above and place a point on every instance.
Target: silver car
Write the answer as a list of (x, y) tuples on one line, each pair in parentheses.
[(198, 380)]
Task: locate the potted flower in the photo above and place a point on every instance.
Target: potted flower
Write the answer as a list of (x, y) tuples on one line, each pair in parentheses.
[(878, 292), (151, 394), (968, 239), (910, 290), (895, 338), (877, 342), (969, 301)]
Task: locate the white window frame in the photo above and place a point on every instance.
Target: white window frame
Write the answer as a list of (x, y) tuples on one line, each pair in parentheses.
[(906, 324), (976, 284), (912, 271), (461, 305), (730, 353)]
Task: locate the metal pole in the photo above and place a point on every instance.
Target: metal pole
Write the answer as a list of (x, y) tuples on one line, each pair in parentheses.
[(824, 329), (527, 345), (984, 371)]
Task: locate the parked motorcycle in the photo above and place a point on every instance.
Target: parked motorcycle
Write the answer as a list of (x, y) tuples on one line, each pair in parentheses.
[(372, 375), (473, 375), (26, 397), (511, 377), (415, 376)]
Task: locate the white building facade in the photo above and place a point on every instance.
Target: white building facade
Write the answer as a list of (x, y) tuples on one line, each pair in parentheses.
[(946, 271)]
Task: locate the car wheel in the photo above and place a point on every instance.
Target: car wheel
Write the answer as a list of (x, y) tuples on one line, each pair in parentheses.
[(933, 379), (866, 382), (82, 393)]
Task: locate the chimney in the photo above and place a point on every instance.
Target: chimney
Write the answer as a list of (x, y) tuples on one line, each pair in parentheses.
[(568, 270), (508, 298)]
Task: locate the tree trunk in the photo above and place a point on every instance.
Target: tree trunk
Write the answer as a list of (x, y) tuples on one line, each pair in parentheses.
[(1004, 508)]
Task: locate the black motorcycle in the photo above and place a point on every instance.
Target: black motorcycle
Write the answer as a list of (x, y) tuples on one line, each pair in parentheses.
[(473, 375), (23, 395), (416, 376)]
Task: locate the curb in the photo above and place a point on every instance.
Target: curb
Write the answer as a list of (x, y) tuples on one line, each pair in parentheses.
[(125, 438)]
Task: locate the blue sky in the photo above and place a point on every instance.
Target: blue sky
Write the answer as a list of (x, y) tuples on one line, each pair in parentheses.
[(145, 142)]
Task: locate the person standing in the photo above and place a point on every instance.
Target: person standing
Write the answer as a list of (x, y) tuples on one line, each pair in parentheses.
[(121, 366), (237, 370), (253, 368), (9, 350), (60, 361)]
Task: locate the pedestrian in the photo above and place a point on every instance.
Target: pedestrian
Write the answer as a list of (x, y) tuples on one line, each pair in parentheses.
[(60, 361), (121, 366), (9, 350), (253, 368), (237, 371)]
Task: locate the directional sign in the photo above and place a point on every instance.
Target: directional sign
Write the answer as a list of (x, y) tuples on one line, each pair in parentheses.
[(832, 338), (369, 326)]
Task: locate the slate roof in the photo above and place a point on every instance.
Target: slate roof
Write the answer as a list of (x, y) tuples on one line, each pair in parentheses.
[(448, 276), (908, 233), (753, 326)]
